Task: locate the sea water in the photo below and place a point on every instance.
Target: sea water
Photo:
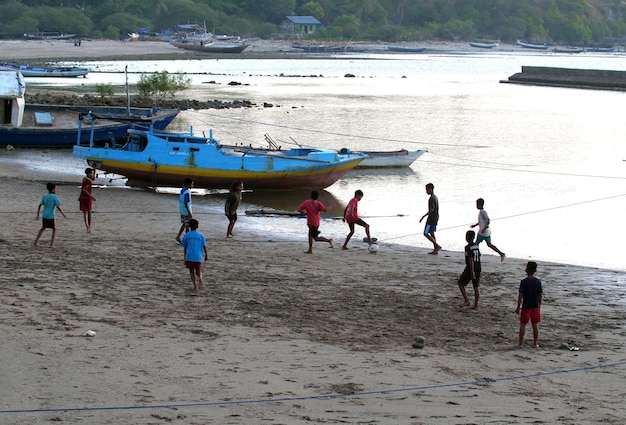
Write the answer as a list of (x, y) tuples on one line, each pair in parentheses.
[(549, 162)]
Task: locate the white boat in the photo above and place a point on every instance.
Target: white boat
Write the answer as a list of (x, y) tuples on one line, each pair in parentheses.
[(390, 159)]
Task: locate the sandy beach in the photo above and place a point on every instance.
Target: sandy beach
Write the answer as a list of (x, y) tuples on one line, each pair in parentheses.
[(277, 336), (55, 50)]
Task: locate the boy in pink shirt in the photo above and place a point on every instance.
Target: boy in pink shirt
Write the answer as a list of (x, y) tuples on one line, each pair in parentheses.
[(312, 208)]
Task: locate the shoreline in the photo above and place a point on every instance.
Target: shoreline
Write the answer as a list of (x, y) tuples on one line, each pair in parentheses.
[(43, 51)]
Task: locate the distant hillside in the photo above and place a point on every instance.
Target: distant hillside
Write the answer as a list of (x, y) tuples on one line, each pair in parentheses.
[(553, 21)]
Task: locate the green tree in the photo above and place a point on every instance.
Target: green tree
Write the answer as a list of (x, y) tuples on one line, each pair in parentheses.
[(312, 8), (160, 85)]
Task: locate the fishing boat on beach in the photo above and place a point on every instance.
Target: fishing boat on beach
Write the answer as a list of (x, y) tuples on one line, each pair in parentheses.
[(54, 71), (151, 158), (205, 42), (406, 49)]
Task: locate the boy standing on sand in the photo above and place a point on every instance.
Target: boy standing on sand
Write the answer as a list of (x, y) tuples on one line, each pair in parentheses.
[(433, 218), (49, 202), (312, 208), (86, 199), (232, 203), (351, 216), (184, 201), (484, 231), (194, 244), (529, 300), (471, 271)]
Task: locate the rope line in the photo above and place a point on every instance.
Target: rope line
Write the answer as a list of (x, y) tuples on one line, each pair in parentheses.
[(318, 397), (331, 133)]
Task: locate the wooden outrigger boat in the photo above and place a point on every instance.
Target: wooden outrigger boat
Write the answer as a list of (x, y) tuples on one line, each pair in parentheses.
[(155, 159)]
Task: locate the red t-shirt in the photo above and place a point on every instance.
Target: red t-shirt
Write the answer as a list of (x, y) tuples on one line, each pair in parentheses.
[(313, 209), (351, 213)]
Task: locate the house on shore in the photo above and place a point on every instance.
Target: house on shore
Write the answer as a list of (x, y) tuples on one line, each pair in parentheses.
[(302, 25)]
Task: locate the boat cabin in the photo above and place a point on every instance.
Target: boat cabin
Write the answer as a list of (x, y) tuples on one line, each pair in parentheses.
[(12, 102)]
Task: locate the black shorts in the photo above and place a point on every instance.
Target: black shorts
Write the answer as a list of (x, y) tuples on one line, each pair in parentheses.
[(48, 223), (466, 277), (314, 231), (232, 217), (360, 223)]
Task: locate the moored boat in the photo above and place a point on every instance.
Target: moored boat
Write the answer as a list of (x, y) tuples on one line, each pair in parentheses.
[(568, 49), (532, 45), (481, 45), (406, 49), (54, 71), (390, 159), (152, 158)]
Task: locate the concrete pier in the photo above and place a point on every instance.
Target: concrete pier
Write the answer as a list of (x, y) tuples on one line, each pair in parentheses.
[(568, 77)]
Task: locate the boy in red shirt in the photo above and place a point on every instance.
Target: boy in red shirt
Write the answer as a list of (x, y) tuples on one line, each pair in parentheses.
[(312, 208), (351, 216)]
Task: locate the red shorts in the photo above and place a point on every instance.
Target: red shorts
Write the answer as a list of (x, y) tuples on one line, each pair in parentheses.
[(194, 265), (532, 314)]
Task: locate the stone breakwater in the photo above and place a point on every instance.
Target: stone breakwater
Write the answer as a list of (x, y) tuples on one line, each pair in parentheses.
[(51, 98), (569, 77)]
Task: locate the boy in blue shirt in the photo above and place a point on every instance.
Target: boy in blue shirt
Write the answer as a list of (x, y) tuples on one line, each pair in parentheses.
[(194, 244), (49, 202)]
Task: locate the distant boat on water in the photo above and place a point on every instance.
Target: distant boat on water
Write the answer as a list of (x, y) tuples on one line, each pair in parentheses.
[(54, 71), (532, 46), (406, 49)]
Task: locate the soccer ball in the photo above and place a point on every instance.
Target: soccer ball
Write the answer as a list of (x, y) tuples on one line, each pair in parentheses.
[(373, 248)]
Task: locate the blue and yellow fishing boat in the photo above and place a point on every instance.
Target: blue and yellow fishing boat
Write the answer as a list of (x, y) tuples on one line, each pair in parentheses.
[(153, 159)]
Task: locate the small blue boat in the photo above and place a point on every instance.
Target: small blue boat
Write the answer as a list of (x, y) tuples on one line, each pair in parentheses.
[(54, 71), (153, 159)]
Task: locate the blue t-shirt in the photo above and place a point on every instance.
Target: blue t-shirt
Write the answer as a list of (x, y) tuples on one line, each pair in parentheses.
[(194, 242), (185, 197), (49, 201)]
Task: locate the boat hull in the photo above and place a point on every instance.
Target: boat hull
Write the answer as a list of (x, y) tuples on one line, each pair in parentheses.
[(113, 124), (166, 160), (390, 159), (483, 45)]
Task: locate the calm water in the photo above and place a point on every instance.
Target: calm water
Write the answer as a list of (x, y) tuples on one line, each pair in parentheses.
[(550, 162)]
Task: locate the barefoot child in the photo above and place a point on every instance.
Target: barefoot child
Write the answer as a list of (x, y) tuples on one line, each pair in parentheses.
[(312, 208), (85, 199), (194, 244), (49, 202), (484, 231), (529, 303), (471, 271), (232, 203), (351, 216)]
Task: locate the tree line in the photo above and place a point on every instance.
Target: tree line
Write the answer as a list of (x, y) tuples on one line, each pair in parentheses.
[(565, 21)]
